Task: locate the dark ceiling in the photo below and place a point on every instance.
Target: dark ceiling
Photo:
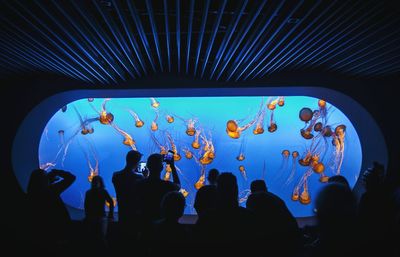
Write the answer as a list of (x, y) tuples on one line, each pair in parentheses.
[(110, 41)]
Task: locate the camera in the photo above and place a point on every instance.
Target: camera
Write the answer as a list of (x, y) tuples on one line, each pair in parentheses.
[(169, 156), (142, 166)]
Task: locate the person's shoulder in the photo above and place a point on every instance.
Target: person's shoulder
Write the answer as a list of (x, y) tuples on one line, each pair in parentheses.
[(170, 185), (117, 174)]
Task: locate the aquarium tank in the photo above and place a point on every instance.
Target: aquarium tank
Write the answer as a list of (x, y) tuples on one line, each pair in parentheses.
[(293, 143)]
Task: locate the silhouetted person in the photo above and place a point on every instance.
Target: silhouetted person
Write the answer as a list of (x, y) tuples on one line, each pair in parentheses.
[(229, 227), (336, 215), (277, 229), (258, 186), (376, 211), (206, 196), (168, 233), (153, 188), (95, 200), (213, 177), (339, 179), (50, 218)]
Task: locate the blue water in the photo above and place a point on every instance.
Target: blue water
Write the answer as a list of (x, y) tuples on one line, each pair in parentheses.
[(263, 152)]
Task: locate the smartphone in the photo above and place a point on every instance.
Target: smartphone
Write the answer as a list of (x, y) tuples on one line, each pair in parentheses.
[(169, 156), (142, 166)]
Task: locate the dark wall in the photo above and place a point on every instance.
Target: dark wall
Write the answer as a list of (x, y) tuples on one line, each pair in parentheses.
[(23, 92)]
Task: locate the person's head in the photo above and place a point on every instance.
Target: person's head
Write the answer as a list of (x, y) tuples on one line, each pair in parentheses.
[(133, 158), (155, 164), (38, 181), (373, 177), (213, 176), (335, 206), (258, 186), (227, 190), (339, 179), (97, 182), (173, 205)]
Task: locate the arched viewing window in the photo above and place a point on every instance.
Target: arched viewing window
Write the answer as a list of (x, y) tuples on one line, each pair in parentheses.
[(294, 138)]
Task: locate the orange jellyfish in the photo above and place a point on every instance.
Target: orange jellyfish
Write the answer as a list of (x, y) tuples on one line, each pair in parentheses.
[(188, 153), (318, 168), (105, 118), (169, 118), (284, 165), (259, 129), (138, 122), (310, 123), (177, 156), (305, 195), (243, 172), (271, 105), (233, 130), (114, 200), (339, 143), (281, 101), (163, 149), (154, 125), (195, 143), (128, 140), (190, 129), (154, 103), (295, 155), (184, 192), (241, 155), (85, 128), (200, 182), (167, 176), (209, 151), (322, 109)]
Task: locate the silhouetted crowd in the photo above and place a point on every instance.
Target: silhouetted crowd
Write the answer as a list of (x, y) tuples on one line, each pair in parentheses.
[(150, 210)]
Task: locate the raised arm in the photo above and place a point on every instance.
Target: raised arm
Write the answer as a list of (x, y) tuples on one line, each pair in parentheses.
[(67, 179), (110, 202), (175, 176)]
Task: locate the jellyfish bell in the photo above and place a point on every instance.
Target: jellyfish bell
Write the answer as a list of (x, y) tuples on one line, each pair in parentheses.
[(324, 179), (139, 123), (295, 154), (91, 130), (321, 103), (90, 99), (64, 108), (305, 197), (211, 155), (305, 161), (295, 196), (241, 168), (306, 134), (318, 126), (231, 126), (272, 128), (205, 160), (285, 153), (271, 106), (84, 131), (195, 145), (128, 141), (169, 118), (340, 129), (258, 130), (234, 135), (184, 192), (188, 155), (154, 103), (318, 168), (241, 157), (281, 101), (327, 131), (106, 118), (190, 131), (177, 157), (306, 114), (153, 126)]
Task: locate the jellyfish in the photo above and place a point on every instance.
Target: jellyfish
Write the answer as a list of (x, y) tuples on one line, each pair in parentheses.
[(306, 114), (271, 105), (128, 140), (305, 195), (93, 170), (90, 100), (318, 127), (285, 160), (306, 132), (154, 125), (233, 130), (323, 178), (138, 122), (318, 167), (169, 118), (184, 192), (84, 124), (202, 179), (322, 109), (281, 101), (177, 156), (243, 172), (190, 129), (105, 118), (163, 149), (338, 139), (209, 151), (259, 129), (295, 155), (302, 183), (241, 155), (61, 135), (195, 143), (154, 103), (244, 195), (64, 108), (188, 153), (167, 176)]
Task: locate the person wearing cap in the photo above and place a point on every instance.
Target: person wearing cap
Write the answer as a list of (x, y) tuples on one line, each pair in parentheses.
[(125, 183)]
